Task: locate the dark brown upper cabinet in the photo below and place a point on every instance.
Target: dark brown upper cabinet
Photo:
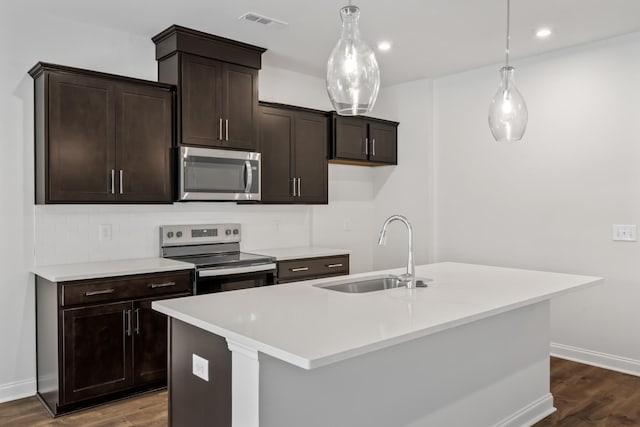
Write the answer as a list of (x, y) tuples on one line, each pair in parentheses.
[(101, 138), (217, 82), (293, 143), (363, 141)]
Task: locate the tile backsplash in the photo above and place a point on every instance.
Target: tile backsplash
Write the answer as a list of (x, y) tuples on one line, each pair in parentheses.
[(71, 233)]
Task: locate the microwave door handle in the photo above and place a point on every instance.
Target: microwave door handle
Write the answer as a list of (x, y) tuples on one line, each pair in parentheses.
[(248, 176)]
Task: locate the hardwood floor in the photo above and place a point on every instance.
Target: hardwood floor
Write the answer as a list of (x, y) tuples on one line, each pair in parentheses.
[(585, 396), (588, 396), (149, 410)]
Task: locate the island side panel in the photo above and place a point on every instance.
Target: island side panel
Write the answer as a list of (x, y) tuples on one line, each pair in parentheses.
[(193, 401), (490, 372)]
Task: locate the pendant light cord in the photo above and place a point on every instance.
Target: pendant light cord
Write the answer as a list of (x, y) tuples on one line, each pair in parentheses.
[(508, 32)]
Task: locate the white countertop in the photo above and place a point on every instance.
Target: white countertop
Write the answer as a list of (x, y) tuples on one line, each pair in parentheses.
[(284, 254), (309, 327), (94, 270)]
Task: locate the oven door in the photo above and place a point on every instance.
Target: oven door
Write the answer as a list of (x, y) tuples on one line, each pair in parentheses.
[(233, 278), (210, 174)]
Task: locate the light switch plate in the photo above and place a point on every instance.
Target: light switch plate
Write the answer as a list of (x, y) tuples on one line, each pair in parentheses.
[(624, 232), (200, 367)]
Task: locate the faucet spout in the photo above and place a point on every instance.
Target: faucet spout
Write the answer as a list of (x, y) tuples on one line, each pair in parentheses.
[(410, 276)]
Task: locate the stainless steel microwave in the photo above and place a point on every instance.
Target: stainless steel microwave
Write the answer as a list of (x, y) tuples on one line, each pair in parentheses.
[(211, 174)]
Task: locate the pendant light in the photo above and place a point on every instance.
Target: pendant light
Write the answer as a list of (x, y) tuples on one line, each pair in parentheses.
[(508, 112), (353, 76)]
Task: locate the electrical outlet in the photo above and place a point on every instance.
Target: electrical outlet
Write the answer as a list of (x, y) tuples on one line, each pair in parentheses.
[(200, 367), (624, 233), (105, 231), (347, 224)]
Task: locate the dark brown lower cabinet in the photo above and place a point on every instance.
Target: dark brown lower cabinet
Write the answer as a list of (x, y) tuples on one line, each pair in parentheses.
[(150, 344), (99, 339), (96, 352), (294, 270)]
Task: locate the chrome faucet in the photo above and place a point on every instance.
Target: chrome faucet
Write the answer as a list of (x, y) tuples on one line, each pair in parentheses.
[(410, 276)]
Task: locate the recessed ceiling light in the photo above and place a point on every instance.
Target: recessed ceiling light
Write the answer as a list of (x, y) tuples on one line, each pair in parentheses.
[(383, 46), (543, 33)]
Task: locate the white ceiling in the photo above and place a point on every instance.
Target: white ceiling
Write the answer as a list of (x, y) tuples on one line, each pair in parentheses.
[(430, 37)]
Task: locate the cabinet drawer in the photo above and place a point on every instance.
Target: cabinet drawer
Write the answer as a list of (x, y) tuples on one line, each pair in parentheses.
[(124, 287), (311, 268)]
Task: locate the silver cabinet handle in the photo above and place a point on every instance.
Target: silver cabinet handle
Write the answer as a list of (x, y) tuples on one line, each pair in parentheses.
[(220, 129), (334, 265), (137, 328), (226, 129), (299, 187), (162, 285), (248, 176), (121, 183), (101, 292), (113, 181), (294, 270), (366, 147), (128, 317), (293, 186), (373, 147)]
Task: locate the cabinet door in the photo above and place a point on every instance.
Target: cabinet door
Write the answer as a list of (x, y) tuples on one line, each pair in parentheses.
[(149, 344), (143, 144), (276, 135), (96, 352), (80, 139), (310, 157), (240, 107), (351, 141), (201, 102), (383, 143)]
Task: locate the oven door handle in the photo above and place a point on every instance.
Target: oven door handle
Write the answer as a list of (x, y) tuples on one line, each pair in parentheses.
[(248, 176), (236, 270)]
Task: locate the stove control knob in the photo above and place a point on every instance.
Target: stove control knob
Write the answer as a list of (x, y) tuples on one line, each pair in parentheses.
[(170, 234), (227, 232), (236, 231), (179, 234)]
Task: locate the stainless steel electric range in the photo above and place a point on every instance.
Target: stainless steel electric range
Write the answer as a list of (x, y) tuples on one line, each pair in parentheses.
[(215, 251)]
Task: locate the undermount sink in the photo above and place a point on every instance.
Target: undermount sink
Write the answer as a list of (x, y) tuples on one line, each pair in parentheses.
[(371, 284)]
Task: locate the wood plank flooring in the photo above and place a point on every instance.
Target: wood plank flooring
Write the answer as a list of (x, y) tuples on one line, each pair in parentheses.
[(148, 410), (585, 396)]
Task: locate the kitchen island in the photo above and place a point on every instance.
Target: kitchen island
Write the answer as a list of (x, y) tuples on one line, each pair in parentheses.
[(472, 349)]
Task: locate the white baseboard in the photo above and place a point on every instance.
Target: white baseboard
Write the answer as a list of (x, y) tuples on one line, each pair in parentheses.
[(595, 358), (530, 414), (17, 390)]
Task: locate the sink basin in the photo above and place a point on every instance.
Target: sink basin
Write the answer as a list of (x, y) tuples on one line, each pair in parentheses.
[(371, 284)]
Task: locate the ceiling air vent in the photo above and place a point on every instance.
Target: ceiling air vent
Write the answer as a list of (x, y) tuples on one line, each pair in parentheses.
[(264, 20)]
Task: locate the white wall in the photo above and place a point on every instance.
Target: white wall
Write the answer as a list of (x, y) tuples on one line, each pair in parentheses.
[(62, 234), (406, 189), (548, 202)]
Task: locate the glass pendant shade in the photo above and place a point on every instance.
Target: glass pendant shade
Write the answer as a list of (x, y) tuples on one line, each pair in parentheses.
[(353, 76), (508, 112)]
